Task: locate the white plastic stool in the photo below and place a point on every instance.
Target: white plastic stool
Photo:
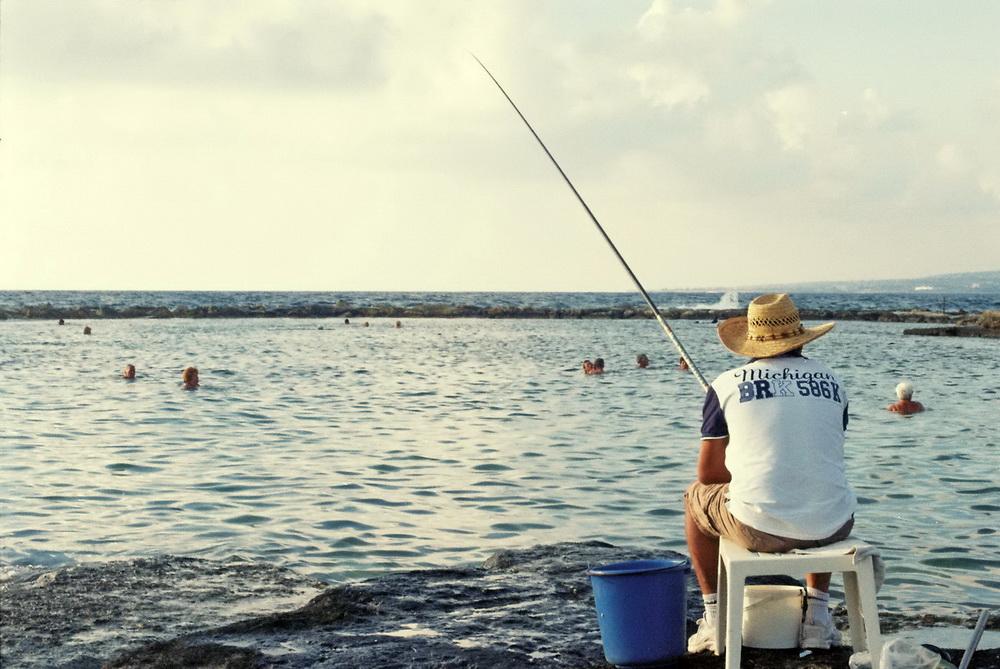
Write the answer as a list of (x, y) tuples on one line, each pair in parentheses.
[(737, 563)]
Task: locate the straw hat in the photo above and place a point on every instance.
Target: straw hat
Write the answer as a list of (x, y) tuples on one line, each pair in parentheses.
[(771, 327)]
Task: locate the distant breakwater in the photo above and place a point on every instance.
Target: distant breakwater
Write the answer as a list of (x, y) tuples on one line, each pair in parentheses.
[(342, 310)]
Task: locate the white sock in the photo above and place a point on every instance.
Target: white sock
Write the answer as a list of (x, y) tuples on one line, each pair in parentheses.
[(817, 607), (711, 608)]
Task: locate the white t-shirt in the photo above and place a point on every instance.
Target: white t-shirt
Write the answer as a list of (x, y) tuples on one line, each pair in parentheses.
[(785, 418)]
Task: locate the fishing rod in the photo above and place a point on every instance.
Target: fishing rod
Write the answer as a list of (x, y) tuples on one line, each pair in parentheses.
[(656, 312)]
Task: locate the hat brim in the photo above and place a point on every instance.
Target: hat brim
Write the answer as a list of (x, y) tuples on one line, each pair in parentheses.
[(733, 335)]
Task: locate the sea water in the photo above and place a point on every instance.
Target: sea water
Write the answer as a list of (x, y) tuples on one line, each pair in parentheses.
[(926, 300), (344, 451)]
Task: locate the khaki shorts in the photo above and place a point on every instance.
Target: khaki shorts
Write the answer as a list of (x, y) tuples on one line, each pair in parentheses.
[(706, 506)]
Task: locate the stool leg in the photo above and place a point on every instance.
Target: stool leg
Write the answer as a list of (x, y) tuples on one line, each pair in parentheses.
[(854, 611), (734, 620), (723, 592), (869, 608), (862, 611)]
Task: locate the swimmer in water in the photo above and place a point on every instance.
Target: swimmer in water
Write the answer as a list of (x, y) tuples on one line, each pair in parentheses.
[(598, 366), (190, 378), (905, 405), (642, 360), (588, 367), (129, 372)]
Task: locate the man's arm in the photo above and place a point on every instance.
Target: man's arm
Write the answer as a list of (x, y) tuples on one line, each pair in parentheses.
[(712, 461)]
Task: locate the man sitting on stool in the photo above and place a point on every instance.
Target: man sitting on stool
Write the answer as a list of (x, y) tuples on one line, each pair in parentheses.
[(771, 470)]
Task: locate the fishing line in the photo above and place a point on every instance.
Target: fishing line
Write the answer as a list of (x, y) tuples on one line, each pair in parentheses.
[(656, 312)]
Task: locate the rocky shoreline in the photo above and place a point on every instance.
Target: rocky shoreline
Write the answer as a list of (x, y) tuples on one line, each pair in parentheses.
[(953, 324), (342, 310), (520, 608), (955, 331), (986, 324)]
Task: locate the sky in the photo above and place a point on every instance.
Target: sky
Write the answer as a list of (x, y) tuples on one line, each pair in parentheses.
[(357, 144)]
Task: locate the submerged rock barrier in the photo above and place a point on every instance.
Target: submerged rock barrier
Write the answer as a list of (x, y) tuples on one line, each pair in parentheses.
[(986, 324), (341, 310)]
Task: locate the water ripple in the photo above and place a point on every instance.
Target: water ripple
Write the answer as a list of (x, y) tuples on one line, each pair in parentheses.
[(346, 454)]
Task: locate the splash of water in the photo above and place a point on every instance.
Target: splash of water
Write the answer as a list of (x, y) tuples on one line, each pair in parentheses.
[(729, 300)]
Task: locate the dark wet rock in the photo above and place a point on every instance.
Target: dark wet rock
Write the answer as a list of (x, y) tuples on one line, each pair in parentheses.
[(181, 655), (989, 319), (520, 608), (955, 331), (986, 324), (76, 617)]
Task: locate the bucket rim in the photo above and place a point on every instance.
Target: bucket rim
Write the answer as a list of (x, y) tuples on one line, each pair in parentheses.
[(761, 588), (640, 567), (760, 594)]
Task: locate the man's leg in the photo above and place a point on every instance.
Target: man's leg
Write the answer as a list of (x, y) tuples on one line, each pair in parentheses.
[(818, 630), (818, 601), (704, 551), (818, 581)]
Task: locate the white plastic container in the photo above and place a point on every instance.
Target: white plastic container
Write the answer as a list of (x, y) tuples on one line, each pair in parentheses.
[(772, 616)]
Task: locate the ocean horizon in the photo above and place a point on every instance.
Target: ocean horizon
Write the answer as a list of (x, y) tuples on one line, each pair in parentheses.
[(12, 301)]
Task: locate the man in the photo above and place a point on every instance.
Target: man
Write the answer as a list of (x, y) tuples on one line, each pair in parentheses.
[(771, 471), (905, 405)]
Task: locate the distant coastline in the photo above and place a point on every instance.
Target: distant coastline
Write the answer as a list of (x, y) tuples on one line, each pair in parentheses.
[(958, 283)]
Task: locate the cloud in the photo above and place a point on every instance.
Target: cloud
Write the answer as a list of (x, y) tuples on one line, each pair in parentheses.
[(681, 53), (669, 86), (286, 134), (193, 43), (990, 183), (793, 116), (664, 19), (950, 159)]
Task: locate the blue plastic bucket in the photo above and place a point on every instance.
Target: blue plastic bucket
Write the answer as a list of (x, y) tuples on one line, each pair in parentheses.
[(642, 611)]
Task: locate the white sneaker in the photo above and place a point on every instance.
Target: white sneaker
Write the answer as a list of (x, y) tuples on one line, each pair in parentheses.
[(703, 639), (819, 636)]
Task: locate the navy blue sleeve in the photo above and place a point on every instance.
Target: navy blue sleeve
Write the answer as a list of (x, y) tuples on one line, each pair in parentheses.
[(713, 420), (845, 418)]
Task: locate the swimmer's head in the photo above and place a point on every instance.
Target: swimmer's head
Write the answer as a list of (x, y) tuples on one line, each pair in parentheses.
[(904, 391), (190, 376), (129, 372)]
